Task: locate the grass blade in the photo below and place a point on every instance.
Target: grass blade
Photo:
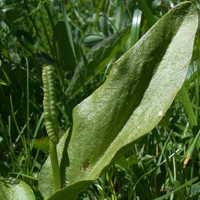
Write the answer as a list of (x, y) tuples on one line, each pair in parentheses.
[(147, 12), (177, 189), (135, 30), (188, 108), (68, 28)]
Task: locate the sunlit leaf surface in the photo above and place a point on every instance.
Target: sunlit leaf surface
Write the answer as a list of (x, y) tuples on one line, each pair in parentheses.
[(140, 88)]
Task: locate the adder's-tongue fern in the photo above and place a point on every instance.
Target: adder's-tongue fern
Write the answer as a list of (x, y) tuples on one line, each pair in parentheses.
[(49, 104)]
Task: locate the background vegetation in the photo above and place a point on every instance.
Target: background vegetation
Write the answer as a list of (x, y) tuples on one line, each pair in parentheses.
[(37, 33)]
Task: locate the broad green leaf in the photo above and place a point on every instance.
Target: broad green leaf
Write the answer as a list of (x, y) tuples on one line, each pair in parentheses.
[(92, 39), (15, 189), (138, 91), (95, 60)]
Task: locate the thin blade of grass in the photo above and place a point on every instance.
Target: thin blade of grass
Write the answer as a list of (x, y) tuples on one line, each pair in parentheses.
[(68, 28), (24, 175), (177, 189), (198, 76), (16, 125), (36, 130), (27, 101), (4, 131), (181, 99), (188, 108), (46, 34), (191, 149), (147, 12), (135, 29), (118, 17)]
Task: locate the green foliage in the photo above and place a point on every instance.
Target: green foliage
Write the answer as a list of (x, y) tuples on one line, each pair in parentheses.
[(162, 164), (136, 94), (95, 60), (15, 189), (62, 43)]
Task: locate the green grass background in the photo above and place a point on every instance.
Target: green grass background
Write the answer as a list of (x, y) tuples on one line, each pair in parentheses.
[(164, 161)]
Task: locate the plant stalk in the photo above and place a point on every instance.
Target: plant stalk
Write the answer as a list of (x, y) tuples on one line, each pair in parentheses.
[(55, 167)]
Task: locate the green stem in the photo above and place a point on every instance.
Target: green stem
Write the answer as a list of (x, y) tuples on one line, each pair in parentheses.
[(27, 101), (198, 74), (55, 167)]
